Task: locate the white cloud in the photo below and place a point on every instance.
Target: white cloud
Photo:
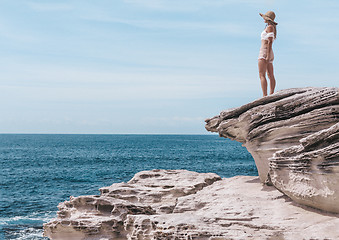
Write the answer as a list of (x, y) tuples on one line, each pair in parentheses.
[(164, 69), (227, 28), (44, 7), (173, 121), (315, 36), (190, 5), (18, 35), (44, 83)]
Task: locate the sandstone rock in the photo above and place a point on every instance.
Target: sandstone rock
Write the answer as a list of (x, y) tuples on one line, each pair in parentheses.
[(291, 126), (201, 206), (278, 121), (147, 193), (309, 172)]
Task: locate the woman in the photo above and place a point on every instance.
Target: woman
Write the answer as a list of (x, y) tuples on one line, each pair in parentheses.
[(266, 56)]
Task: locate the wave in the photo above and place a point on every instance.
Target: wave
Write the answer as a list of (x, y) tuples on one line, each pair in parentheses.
[(25, 234), (25, 227), (38, 216)]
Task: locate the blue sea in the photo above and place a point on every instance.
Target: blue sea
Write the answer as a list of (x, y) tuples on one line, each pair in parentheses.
[(39, 171)]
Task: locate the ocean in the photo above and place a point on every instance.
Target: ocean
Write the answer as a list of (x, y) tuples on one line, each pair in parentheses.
[(40, 170)]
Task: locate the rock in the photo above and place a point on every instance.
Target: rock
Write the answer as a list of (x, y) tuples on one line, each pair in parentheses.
[(292, 136), (198, 206), (147, 193), (278, 121), (309, 172)]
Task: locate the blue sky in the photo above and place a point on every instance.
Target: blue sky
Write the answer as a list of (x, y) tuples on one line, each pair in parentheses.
[(151, 66)]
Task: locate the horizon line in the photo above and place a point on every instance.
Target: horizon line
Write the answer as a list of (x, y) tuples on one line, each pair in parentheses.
[(107, 133)]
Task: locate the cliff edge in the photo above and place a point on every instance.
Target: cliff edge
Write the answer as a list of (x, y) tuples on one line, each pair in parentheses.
[(293, 136)]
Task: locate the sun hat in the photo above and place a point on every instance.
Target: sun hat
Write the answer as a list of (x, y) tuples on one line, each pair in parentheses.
[(270, 16)]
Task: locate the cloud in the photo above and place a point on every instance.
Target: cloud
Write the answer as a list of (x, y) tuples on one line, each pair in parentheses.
[(154, 4), (172, 120), (48, 83), (9, 33), (314, 36), (226, 28), (190, 5), (49, 7)]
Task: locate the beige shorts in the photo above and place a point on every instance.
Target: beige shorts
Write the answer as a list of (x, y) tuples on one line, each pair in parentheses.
[(263, 54)]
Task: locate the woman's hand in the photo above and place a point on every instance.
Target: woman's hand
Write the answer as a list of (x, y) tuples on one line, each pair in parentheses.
[(266, 57)]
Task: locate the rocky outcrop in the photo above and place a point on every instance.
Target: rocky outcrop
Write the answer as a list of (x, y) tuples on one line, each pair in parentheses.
[(110, 214), (179, 204), (293, 138), (309, 172)]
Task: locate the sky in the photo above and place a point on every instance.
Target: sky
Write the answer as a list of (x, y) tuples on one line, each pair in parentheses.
[(151, 66)]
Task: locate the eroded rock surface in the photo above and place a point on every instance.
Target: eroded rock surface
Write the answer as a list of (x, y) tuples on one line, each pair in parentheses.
[(309, 172), (179, 204), (293, 137), (147, 193)]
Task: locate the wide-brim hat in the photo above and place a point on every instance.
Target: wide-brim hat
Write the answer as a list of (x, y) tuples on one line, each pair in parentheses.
[(270, 16)]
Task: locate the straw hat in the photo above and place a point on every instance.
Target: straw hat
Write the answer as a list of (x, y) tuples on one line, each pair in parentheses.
[(270, 16)]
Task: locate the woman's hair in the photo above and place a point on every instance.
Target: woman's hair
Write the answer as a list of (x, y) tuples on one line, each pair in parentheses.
[(275, 28)]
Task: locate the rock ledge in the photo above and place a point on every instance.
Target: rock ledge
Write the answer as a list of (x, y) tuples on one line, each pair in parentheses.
[(179, 204), (293, 136)]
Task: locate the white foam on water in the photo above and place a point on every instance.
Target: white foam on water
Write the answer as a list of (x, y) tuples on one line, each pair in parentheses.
[(44, 217), (26, 227), (28, 234)]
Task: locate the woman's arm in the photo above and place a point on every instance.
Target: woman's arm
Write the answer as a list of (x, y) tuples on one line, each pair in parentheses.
[(270, 28)]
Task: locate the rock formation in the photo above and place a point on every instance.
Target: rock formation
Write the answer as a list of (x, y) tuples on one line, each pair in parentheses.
[(293, 137), (110, 214), (179, 204), (309, 172)]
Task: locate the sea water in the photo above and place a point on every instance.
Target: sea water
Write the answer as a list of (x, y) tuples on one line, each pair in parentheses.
[(39, 171)]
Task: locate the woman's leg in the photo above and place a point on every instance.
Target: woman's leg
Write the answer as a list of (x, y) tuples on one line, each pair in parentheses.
[(270, 74), (262, 65)]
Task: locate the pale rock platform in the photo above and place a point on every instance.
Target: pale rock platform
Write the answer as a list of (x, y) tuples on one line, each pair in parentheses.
[(179, 204)]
